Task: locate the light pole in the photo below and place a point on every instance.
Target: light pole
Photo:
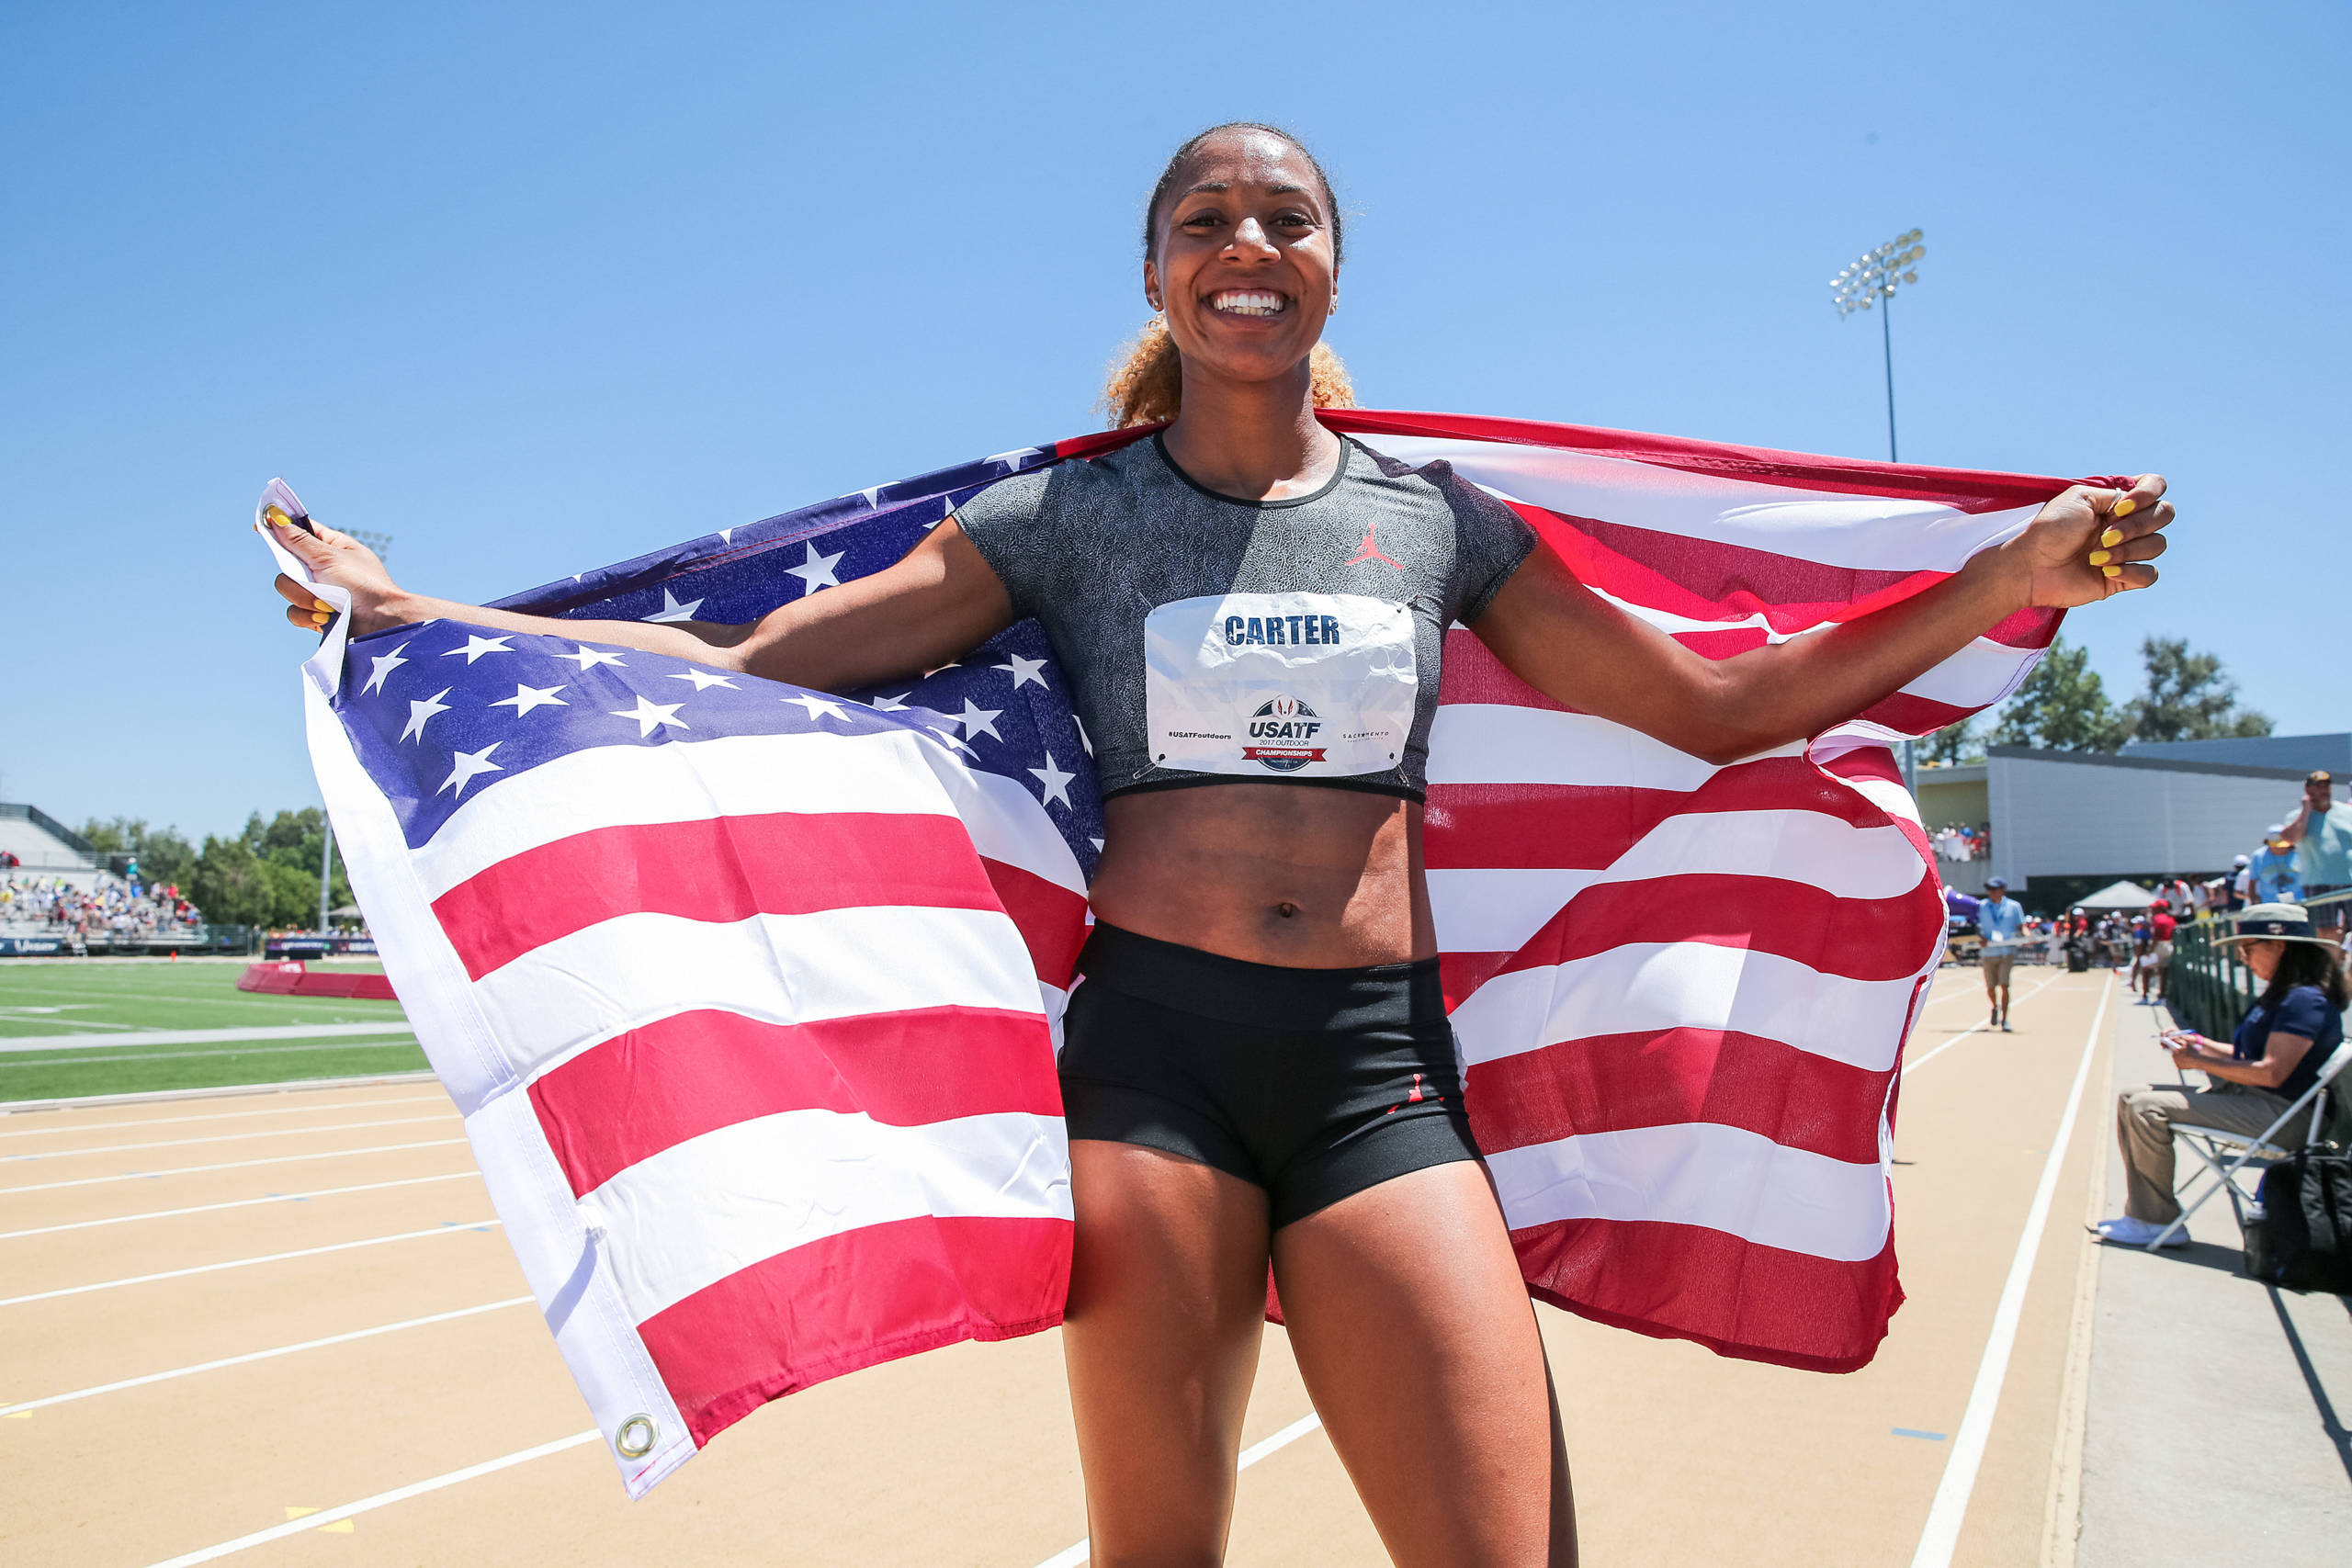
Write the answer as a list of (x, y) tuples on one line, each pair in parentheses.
[(1871, 279)]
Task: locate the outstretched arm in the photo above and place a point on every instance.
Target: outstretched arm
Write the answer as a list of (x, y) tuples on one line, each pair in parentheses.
[(938, 602), (1577, 648)]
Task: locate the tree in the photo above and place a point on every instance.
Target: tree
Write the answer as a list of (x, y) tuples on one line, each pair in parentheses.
[(1954, 743), (163, 854), (268, 874), (2062, 707), (2188, 697)]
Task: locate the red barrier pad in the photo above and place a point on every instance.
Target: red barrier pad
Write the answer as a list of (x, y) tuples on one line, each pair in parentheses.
[(291, 977)]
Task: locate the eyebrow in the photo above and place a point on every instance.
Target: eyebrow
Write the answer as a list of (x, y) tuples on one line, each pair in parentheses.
[(1220, 186)]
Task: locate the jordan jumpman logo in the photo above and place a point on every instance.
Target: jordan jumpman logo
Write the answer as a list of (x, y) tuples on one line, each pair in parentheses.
[(1370, 550), (1416, 1096)]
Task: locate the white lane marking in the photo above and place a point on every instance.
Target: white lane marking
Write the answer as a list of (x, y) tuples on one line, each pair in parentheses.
[(250, 1356), (381, 1499), (207, 1036), (1942, 1534), (223, 1138), (1071, 1556), (235, 1203), (453, 1228), (227, 1165), (1908, 1068), (315, 1047), (69, 1022), (219, 1116)]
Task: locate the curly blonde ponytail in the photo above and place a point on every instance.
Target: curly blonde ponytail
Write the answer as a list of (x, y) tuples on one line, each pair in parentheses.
[(1147, 381)]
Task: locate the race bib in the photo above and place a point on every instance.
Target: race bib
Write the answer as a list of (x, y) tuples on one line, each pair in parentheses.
[(1258, 686)]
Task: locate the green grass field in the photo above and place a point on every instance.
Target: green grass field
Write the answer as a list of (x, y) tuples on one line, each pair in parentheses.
[(108, 1006)]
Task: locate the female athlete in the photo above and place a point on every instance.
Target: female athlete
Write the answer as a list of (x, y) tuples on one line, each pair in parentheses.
[(1258, 1065)]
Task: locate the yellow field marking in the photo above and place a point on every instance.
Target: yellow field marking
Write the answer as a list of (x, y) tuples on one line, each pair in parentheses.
[(340, 1527), (227, 1165)]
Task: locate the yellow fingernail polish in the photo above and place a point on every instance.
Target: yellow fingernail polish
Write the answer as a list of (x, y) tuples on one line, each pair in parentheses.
[(274, 517), (2112, 571), (2124, 508), (2099, 557), (322, 604), (319, 617), (2113, 536)]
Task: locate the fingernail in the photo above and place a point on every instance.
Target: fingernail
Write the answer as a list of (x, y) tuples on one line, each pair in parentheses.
[(2099, 557), (323, 605), (2113, 536), (319, 617), (2124, 508), (2112, 571)]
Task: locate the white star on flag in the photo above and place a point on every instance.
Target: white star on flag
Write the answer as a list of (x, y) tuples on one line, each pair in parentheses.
[(673, 611), (420, 710), (817, 572), (978, 721), (1021, 670), (872, 494), (525, 698), (385, 664), (1014, 460), (727, 536), (478, 645), (1057, 782), (651, 716), (819, 708), (892, 704), (947, 732), (705, 680), (589, 658), (1082, 740), (464, 765)]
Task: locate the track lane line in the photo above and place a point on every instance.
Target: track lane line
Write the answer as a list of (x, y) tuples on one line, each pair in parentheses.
[(227, 1165), (456, 1228), (381, 1499), (235, 1203), (225, 1138), (1071, 1556), (217, 1116), (1941, 1535), (28, 1407), (1971, 1029), (397, 1025)]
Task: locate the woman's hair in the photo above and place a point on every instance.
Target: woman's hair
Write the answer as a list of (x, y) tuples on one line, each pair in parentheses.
[(2306, 964), (1147, 380)]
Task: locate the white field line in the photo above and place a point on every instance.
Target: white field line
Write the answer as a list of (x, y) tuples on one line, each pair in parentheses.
[(1909, 1068), (455, 1228), (381, 1499), (387, 1043), (223, 1138), (1941, 1535), (68, 1022), (1071, 1556), (207, 1036), (28, 1407), (234, 1203), (219, 1116), (227, 1165)]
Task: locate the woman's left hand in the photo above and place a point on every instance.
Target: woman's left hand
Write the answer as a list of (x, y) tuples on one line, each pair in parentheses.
[(2090, 543)]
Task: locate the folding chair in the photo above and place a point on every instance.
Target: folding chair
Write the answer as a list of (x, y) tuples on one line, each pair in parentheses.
[(2226, 1154)]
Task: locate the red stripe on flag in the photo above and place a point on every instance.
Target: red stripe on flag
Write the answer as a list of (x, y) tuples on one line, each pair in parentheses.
[(1858, 938), (1736, 1297), (1614, 1082), (636, 1094), (850, 1301), (1051, 919), (718, 868)]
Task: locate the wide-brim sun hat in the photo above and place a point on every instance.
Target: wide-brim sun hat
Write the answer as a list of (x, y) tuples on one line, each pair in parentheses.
[(2275, 923)]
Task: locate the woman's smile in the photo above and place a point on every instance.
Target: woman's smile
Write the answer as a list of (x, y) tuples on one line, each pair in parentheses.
[(1248, 302)]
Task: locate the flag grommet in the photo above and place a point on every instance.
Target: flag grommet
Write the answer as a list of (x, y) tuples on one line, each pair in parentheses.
[(635, 1440)]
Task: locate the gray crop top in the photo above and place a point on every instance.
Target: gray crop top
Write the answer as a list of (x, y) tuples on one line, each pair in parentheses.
[(1211, 640)]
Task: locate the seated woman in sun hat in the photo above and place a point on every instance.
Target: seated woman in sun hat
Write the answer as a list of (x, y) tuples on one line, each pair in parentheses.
[(2273, 1059)]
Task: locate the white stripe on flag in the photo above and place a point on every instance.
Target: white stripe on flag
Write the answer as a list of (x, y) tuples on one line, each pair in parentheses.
[(1977, 676), (1699, 1173), (1643, 987), (701, 1210), (1498, 743), (624, 973)]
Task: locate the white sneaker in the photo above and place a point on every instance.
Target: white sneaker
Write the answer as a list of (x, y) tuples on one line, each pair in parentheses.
[(2125, 1231)]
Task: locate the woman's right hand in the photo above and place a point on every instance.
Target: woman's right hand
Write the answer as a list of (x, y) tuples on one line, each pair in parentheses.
[(344, 561)]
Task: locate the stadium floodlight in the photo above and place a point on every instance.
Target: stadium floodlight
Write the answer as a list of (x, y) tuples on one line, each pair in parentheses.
[(1872, 279), (380, 543)]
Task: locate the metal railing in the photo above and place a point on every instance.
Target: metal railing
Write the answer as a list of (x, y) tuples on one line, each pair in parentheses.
[(2207, 987), (50, 825)]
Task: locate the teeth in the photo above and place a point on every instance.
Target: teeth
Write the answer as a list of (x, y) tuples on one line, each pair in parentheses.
[(1240, 302)]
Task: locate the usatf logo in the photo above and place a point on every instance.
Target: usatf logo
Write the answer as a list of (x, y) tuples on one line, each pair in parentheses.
[(1289, 723)]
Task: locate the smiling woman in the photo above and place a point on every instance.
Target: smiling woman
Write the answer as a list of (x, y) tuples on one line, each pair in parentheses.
[(1251, 614)]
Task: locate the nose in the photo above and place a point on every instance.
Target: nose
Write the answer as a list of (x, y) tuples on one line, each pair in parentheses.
[(1250, 235)]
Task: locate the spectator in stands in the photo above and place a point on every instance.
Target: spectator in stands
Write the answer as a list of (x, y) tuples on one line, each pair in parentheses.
[(2275, 1056), (2322, 834), (2241, 883), (2162, 929), (2274, 877), (2000, 920)]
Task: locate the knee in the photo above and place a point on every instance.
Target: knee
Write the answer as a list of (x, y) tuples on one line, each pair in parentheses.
[(2145, 1106)]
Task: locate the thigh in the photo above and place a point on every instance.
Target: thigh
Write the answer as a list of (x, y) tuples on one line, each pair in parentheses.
[(2239, 1112), (1412, 1326), (1166, 1306)]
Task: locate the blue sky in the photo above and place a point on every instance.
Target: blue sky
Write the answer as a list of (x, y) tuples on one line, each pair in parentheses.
[(536, 287)]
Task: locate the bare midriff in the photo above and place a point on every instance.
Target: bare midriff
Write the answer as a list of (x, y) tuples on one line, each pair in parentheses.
[(1292, 875)]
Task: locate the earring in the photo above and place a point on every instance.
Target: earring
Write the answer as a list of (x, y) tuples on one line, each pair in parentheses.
[(1335, 306)]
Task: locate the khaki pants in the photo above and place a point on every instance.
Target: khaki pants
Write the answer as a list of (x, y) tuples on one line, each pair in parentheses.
[(2145, 1120)]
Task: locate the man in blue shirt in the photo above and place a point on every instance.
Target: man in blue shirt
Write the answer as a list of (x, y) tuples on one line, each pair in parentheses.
[(2275, 879), (2000, 920)]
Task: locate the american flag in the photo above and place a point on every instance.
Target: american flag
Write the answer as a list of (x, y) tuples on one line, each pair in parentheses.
[(747, 993)]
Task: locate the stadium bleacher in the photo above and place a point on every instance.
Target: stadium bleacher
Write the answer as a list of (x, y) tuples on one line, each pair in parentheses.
[(58, 895)]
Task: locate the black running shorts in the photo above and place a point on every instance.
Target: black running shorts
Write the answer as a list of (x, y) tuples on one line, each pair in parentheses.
[(1313, 1083)]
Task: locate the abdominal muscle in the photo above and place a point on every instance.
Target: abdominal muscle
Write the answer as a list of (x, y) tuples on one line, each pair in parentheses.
[(1290, 874)]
